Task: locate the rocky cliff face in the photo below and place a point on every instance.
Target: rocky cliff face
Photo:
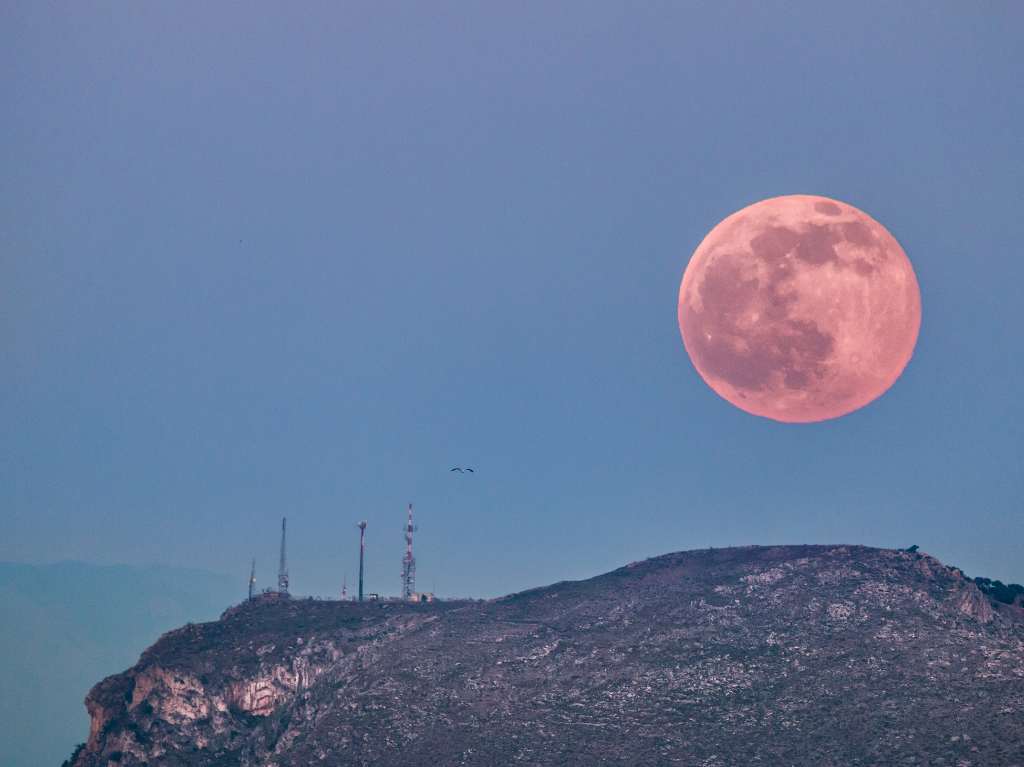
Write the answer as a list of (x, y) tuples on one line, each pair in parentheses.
[(787, 655)]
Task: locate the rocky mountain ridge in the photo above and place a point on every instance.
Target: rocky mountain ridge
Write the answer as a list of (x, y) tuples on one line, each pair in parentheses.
[(817, 655)]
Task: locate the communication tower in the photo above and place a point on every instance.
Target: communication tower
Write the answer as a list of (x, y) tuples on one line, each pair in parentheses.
[(408, 561), (282, 569), (362, 550)]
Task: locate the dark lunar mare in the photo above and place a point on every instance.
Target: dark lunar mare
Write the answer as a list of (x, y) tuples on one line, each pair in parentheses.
[(781, 345)]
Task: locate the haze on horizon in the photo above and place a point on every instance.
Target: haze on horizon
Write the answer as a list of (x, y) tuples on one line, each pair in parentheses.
[(258, 263)]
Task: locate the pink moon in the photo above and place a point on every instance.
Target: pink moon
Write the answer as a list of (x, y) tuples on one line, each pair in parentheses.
[(799, 309)]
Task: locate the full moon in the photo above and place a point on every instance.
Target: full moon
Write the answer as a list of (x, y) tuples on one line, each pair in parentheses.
[(799, 308)]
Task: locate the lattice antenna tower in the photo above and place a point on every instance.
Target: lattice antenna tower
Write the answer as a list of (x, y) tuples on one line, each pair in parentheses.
[(282, 568), (408, 561), (252, 579)]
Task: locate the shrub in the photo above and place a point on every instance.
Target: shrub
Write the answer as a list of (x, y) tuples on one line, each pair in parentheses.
[(74, 756)]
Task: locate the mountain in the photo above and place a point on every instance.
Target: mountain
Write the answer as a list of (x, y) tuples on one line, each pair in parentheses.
[(63, 626), (792, 655)]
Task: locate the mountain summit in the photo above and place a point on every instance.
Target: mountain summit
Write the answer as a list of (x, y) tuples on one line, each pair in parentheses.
[(789, 655)]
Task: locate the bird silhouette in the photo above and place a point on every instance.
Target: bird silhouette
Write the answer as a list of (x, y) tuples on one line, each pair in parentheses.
[(462, 470)]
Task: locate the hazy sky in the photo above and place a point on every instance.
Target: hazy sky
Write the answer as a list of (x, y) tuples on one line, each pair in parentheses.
[(258, 261)]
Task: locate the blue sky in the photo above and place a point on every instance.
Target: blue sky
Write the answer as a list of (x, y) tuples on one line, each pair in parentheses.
[(256, 261)]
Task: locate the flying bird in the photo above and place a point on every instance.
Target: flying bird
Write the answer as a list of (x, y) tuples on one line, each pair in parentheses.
[(462, 470)]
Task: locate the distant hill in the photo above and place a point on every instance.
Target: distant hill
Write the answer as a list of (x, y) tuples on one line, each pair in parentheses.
[(64, 625), (832, 656)]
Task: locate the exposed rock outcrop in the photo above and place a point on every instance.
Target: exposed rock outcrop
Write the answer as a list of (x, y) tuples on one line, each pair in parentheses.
[(973, 603)]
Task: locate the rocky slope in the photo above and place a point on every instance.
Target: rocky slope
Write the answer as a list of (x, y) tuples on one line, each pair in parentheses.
[(797, 655)]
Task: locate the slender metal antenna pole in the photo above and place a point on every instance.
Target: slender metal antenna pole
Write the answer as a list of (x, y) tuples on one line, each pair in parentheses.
[(362, 551)]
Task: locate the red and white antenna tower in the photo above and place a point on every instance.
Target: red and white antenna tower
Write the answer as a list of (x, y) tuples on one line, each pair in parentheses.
[(408, 561)]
